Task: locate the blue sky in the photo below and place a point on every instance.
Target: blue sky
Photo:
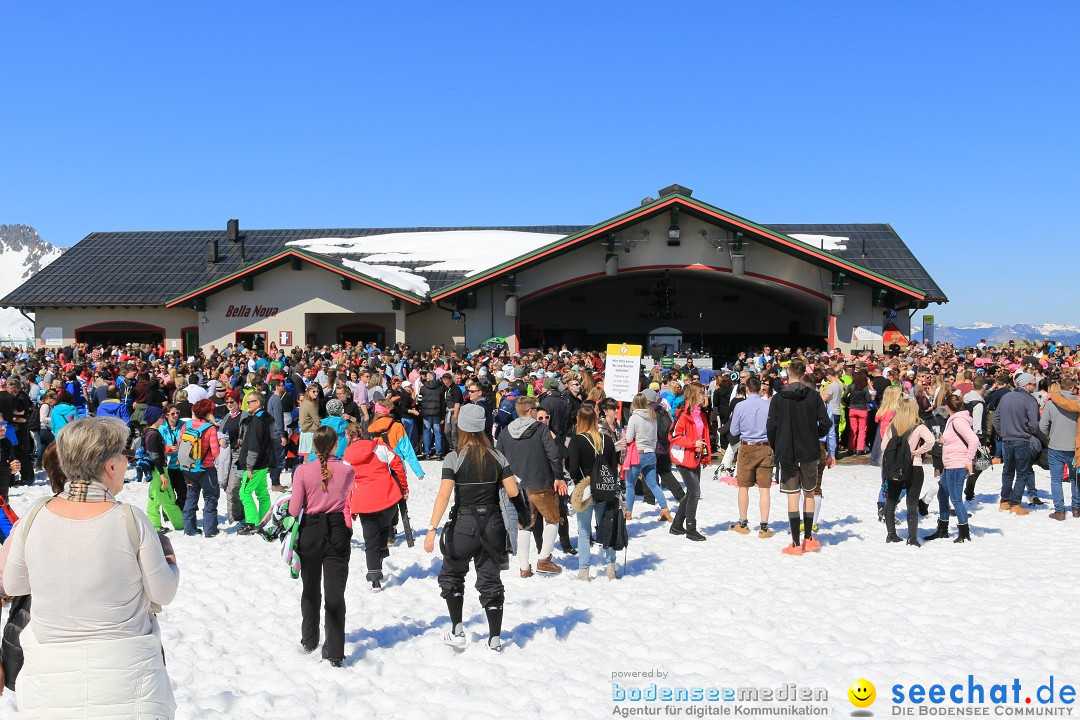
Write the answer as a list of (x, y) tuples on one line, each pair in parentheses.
[(955, 122)]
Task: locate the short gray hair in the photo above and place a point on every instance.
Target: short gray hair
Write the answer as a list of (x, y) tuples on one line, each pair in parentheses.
[(84, 446)]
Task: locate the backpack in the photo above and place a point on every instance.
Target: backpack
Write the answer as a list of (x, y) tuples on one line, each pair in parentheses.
[(970, 407), (663, 431), (896, 460), (189, 452), (7, 519)]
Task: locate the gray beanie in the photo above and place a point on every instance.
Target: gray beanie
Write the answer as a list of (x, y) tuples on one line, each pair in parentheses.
[(471, 418), (1024, 379)]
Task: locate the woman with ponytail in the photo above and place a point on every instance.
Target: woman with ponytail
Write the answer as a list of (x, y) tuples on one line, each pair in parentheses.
[(320, 490)]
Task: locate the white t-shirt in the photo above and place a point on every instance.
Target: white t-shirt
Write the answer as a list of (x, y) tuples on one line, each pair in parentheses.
[(85, 578)]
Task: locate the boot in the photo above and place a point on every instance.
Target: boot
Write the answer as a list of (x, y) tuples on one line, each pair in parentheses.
[(893, 537), (890, 522), (564, 538), (677, 525), (692, 533), (924, 509), (665, 514), (913, 540), (964, 533), (942, 531)]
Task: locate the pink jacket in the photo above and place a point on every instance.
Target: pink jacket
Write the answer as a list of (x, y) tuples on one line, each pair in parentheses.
[(959, 442)]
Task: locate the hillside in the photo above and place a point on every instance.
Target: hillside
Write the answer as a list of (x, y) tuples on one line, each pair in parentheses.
[(22, 253)]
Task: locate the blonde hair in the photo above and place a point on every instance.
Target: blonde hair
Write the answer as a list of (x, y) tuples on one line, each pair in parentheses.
[(693, 395), (84, 446), (587, 425), (907, 416), (889, 400), (641, 403)]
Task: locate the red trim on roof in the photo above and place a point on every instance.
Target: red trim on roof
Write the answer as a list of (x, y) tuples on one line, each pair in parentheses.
[(689, 204), (282, 256)]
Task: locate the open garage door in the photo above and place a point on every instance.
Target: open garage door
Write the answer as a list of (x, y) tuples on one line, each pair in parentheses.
[(120, 333)]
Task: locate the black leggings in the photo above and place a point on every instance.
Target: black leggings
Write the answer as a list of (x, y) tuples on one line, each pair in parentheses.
[(688, 506), (913, 486), (376, 529), (324, 546)]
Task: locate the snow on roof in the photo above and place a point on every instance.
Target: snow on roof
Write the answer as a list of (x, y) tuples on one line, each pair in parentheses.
[(825, 242), (396, 276), (468, 251)]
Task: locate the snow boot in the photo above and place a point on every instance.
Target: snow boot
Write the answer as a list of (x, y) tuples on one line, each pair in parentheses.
[(677, 527), (914, 540), (942, 531), (964, 533), (692, 533), (893, 537), (924, 509)]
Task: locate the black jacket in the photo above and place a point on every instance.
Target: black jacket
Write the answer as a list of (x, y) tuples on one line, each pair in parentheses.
[(431, 399), (256, 448), (10, 647), (559, 410), (797, 419)]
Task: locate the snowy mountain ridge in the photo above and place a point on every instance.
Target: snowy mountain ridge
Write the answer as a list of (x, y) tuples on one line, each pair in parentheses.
[(22, 253), (970, 335)]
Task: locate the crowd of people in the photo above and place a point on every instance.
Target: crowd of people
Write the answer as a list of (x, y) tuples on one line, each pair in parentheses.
[(526, 440)]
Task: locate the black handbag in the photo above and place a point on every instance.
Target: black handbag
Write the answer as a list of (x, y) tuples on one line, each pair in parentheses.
[(11, 652)]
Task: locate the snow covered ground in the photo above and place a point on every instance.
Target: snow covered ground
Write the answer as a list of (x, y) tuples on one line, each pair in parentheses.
[(729, 612)]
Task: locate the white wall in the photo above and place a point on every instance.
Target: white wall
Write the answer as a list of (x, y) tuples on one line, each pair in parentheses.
[(296, 295), (68, 319)]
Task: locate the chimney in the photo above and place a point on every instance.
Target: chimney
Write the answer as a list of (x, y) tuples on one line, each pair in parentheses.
[(232, 231), (211, 252), (676, 190)]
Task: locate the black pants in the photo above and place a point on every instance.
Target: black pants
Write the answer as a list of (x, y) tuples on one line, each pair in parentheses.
[(688, 506), (663, 471), (324, 546), (376, 529), (5, 480), (26, 459), (179, 486), (969, 486), (913, 486), (464, 546)]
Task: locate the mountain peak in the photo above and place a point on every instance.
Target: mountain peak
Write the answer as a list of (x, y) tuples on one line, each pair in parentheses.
[(22, 253)]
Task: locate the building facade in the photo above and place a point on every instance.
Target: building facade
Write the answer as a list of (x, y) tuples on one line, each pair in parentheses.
[(673, 271)]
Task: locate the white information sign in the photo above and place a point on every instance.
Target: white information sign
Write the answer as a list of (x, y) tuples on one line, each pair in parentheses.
[(52, 336), (622, 373)]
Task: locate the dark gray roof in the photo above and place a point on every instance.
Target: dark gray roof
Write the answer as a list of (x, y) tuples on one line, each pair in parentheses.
[(153, 267), (885, 253)]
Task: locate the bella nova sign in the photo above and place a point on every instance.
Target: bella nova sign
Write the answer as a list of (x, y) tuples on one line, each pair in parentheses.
[(245, 311)]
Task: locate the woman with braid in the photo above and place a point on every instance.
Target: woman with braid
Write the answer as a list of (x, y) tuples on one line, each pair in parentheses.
[(321, 490)]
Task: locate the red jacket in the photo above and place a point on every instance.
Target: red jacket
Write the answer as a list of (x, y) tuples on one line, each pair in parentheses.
[(374, 488), (685, 435)]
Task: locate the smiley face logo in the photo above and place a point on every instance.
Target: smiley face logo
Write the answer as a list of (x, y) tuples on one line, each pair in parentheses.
[(862, 693)]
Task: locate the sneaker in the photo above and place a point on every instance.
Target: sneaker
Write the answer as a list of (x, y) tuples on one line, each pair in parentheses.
[(547, 567), (740, 528), (1057, 516), (247, 529), (494, 644), (792, 549), (527, 572), (1019, 510), (277, 488), (1035, 501), (211, 535), (456, 640), (612, 571), (765, 533), (811, 545), (376, 586), (583, 574), (336, 662)]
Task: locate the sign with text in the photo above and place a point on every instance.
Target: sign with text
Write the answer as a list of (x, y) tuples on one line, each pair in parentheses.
[(52, 336), (284, 338), (622, 372), (928, 328)]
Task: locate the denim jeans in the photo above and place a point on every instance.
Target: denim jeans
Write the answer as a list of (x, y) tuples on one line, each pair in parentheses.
[(951, 490), (281, 454), (648, 469), (431, 429), (586, 522), (1061, 461), (410, 430), (1016, 460), (207, 483)]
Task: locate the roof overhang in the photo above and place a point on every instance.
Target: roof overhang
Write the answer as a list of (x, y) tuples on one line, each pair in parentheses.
[(274, 260), (698, 209)]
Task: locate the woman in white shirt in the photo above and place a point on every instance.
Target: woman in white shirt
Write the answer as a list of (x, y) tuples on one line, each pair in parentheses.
[(107, 647)]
